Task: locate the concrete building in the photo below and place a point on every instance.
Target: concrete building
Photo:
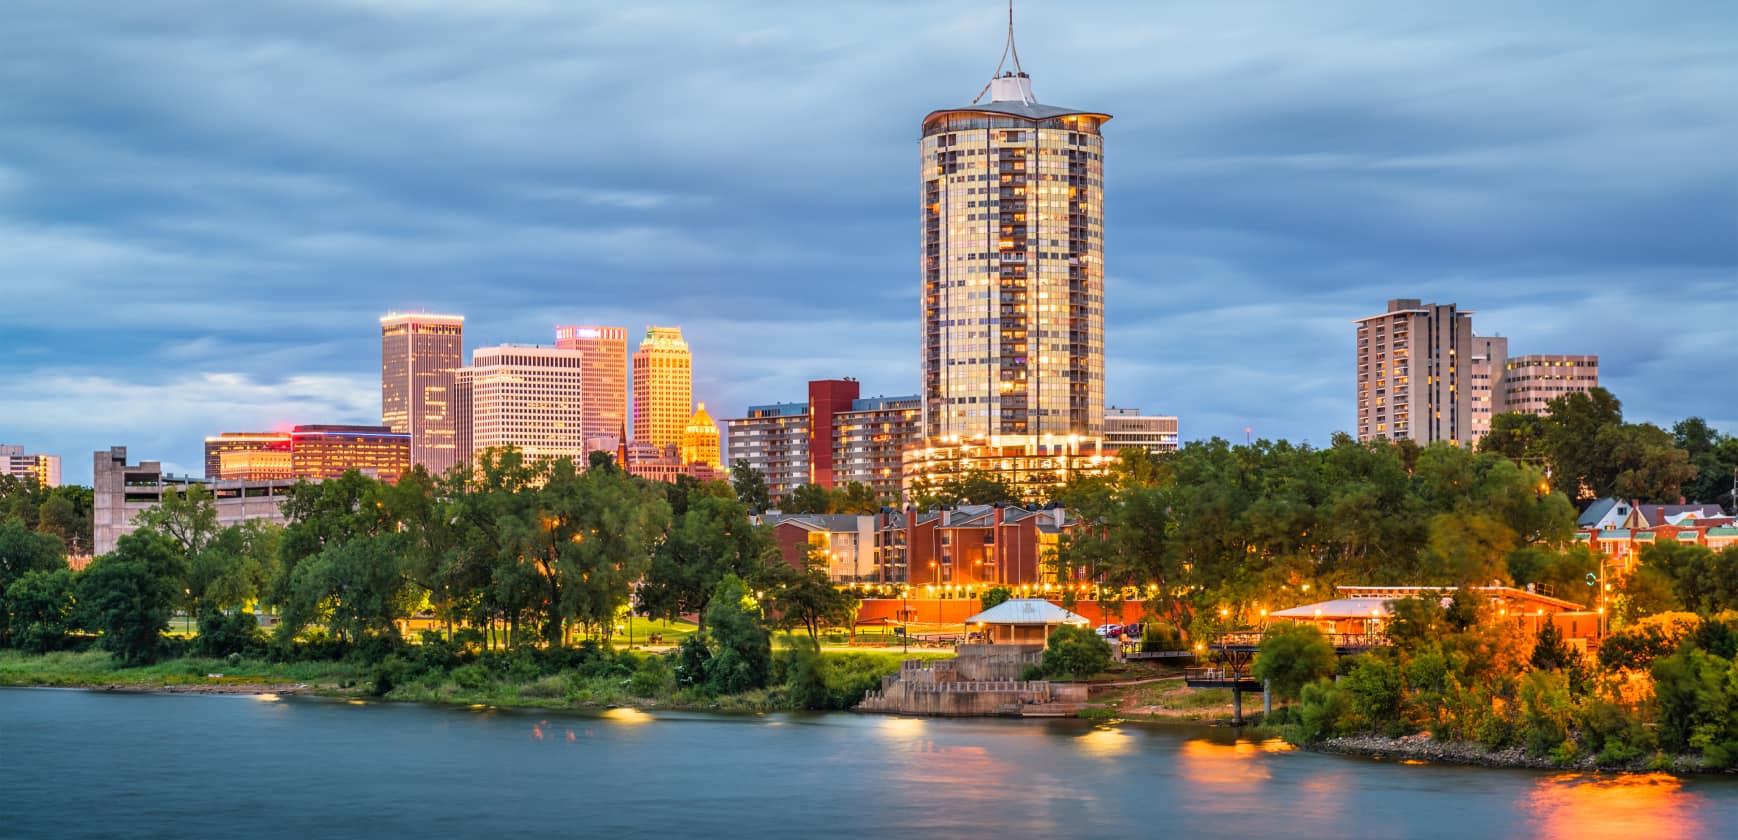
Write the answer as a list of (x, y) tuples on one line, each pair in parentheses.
[(700, 441), (329, 451), (419, 354), (1414, 373), (1485, 382), (1531, 382), (122, 491), (835, 438), (222, 443), (528, 397), (663, 387), (1012, 255), (43, 469), (1126, 428), (604, 376)]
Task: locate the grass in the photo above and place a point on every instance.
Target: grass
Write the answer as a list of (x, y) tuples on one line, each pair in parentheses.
[(95, 667)]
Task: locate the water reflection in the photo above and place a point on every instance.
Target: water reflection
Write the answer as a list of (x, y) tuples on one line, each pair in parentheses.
[(1105, 741), (627, 715), (1224, 765), (1581, 806)]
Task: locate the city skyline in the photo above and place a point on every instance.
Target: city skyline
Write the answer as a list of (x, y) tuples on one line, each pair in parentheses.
[(1561, 208)]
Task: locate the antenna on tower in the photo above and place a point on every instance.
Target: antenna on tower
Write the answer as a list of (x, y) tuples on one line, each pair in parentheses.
[(1007, 50)]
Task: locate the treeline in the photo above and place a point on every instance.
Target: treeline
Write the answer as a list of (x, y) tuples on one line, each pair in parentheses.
[(529, 554)]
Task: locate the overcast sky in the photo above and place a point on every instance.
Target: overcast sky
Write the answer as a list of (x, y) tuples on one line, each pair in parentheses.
[(206, 206)]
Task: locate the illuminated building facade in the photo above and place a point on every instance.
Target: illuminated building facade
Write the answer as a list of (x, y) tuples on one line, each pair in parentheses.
[(1032, 466), (530, 398), (858, 439), (1128, 428), (663, 387), (216, 446), (1413, 373), (44, 469), (1012, 256), (700, 440), (605, 367), (1531, 382), (328, 451), (970, 545), (418, 357), (256, 465)]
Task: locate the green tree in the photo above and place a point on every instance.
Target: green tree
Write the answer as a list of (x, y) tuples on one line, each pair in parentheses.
[(806, 598), (741, 655), (712, 539), (1696, 693), (236, 567), (1642, 462), (995, 595), (808, 498), (1572, 424), (857, 498), (128, 595), (1293, 655), (23, 551), (41, 605), (1074, 652), (1702, 580), (1715, 457), (188, 516), (1516, 436), (750, 486)]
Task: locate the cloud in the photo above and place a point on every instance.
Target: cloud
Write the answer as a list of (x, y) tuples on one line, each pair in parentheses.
[(239, 190)]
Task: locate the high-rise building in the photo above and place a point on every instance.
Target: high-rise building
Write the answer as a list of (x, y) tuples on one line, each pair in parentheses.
[(700, 444), (605, 374), (1531, 382), (859, 440), (530, 398), (1484, 382), (418, 355), (1012, 254), (1128, 428), (1413, 368), (15, 462), (663, 387), (222, 443), (329, 451)]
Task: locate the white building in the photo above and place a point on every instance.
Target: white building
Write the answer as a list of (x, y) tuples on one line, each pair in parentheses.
[(524, 396)]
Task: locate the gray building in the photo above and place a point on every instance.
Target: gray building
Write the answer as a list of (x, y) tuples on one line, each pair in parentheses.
[(123, 491), (1414, 373)]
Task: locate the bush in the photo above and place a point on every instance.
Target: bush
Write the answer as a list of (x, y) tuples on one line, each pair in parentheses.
[(652, 679), (1075, 653), (806, 681), (1293, 655), (1031, 673), (472, 676), (388, 674), (1324, 710), (222, 635), (1374, 686), (1546, 711), (1616, 737)]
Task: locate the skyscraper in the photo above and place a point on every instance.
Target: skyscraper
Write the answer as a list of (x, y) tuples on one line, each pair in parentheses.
[(663, 387), (1414, 373), (605, 376), (700, 440), (329, 451), (1013, 264), (530, 398), (418, 355)]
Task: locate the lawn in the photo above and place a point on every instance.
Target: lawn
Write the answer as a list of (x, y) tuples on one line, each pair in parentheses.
[(95, 667)]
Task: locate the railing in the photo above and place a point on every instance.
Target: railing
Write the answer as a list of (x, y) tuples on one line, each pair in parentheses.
[(1338, 640)]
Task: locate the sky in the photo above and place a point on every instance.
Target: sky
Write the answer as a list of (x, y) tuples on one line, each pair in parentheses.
[(206, 206)]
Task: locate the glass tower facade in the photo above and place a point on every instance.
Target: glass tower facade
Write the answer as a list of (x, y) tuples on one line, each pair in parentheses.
[(1012, 256), (418, 357), (663, 387)]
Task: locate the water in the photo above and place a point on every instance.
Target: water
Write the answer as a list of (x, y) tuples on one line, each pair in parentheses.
[(77, 764)]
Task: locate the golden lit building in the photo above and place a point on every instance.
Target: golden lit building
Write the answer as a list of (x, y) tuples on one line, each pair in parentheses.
[(700, 440), (605, 368), (1031, 465), (330, 451), (1012, 254), (44, 469), (418, 356), (663, 387), (256, 465), (223, 443), (530, 398)]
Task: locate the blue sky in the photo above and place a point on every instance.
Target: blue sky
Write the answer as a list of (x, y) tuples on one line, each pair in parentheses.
[(204, 207)]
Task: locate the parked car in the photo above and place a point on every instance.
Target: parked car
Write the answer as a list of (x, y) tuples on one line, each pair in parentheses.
[(1132, 631), (1109, 631)]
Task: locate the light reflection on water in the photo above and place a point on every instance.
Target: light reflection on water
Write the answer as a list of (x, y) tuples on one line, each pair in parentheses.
[(1652, 806)]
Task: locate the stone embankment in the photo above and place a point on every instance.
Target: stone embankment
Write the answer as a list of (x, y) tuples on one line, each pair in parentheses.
[(1422, 747), (981, 681)]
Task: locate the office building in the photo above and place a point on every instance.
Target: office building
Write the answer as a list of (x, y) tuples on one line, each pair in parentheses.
[(1412, 384), (43, 469), (255, 465), (1531, 382), (1031, 465), (833, 439), (1126, 428), (527, 397), (1012, 255), (663, 387), (419, 354), (121, 491), (223, 443), (700, 441), (605, 379), (1484, 382), (329, 451)]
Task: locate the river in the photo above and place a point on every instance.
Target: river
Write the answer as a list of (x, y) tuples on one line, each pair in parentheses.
[(77, 764)]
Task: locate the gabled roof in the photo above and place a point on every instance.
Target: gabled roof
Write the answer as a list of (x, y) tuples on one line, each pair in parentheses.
[(1027, 611), (1660, 514), (1595, 512), (1357, 607)]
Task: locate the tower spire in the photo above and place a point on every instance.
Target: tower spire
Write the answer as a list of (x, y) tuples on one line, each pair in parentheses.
[(1009, 85)]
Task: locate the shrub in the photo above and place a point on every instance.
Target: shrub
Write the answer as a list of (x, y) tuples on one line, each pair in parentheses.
[(1374, 686), (806, 683), (1032, 672), (652, 679), (1075, 653), (1293, 655), (1324, 710), (472, 676), (222, 635), (1545, 711)]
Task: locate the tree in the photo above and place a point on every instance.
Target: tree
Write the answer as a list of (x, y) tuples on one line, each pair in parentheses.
[(23, 551), (857, 498), (750, 486), (994, 595), (354, 588), (712, 539), (1715, 457), (129, 594), (189, 517), (236, 567), (1516, 436), (1642, 462), (808, 498), (981, 487), (1573, 422), (41, 606), (1074, 652), (1702, 580), (741, 656), (1293, 655), (807, 598)]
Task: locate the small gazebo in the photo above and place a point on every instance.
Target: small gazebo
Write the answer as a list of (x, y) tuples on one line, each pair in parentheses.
[(1022, 621)]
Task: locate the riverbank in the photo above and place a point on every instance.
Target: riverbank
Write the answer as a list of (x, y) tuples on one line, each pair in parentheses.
[(1422, 748)]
